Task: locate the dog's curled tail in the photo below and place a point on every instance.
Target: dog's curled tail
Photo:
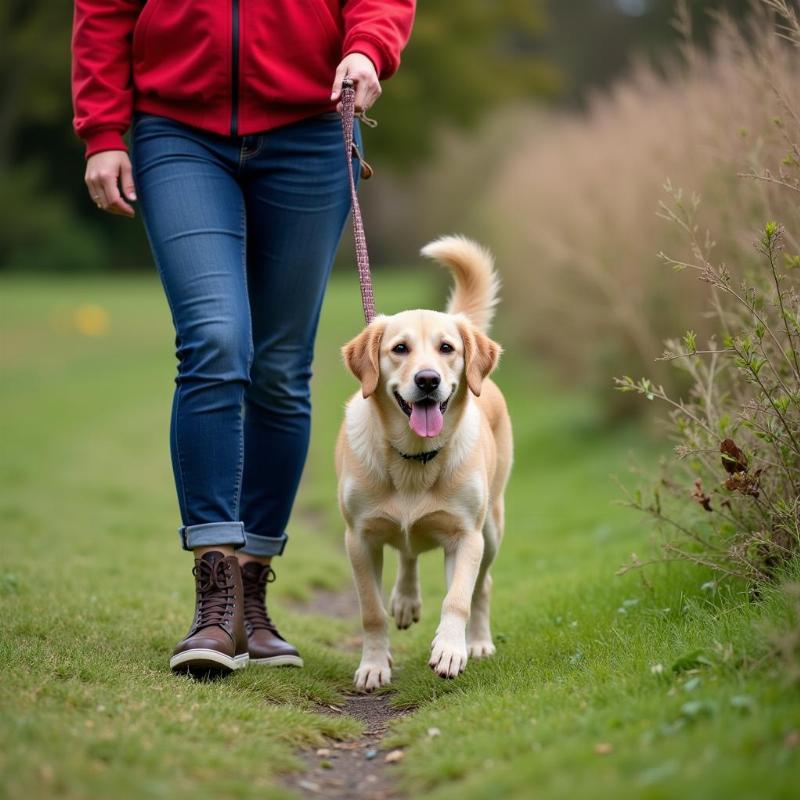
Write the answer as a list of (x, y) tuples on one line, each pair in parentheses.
[(475, 293)]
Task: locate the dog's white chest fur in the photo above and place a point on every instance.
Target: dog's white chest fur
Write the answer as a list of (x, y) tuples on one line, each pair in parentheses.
[(407, 505)]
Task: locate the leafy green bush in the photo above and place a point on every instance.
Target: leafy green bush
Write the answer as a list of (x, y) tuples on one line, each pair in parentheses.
[(730, 500), (738, 433)]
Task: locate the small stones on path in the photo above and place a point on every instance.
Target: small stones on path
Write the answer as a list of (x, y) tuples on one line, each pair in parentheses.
[(356, 770)]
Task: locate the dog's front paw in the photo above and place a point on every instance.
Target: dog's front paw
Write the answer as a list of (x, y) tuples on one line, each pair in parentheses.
[(481, 648), (405, 609), (448, 656), (371, 675)]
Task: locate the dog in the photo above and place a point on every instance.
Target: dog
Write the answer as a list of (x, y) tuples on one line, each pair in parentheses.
[(423, 457)]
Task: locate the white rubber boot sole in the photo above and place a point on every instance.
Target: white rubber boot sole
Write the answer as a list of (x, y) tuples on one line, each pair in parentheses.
[(200, 659), (277, 661)]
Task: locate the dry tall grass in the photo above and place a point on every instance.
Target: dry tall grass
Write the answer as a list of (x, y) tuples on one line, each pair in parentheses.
[(574, 208)]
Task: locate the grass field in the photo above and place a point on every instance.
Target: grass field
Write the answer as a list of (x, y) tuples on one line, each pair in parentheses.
[(581, 700)]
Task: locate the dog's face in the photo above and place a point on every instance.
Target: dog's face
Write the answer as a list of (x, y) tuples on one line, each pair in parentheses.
[(416, 361)]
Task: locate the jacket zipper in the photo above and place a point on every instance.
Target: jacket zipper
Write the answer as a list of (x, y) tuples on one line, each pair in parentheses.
[(235, 69)]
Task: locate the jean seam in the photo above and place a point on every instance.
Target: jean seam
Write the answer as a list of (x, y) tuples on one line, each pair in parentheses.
[(237, 496), (181, 482)]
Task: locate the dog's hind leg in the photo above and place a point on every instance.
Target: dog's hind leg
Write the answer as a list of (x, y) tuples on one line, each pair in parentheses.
[(405, 603), (479, 633), (366, 559)]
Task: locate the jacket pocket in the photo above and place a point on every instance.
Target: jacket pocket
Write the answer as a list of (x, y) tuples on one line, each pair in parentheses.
[(182, 50), (291, 51)]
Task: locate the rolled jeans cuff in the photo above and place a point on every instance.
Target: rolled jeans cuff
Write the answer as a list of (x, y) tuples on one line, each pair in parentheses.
[(264, 546), (210, 534)]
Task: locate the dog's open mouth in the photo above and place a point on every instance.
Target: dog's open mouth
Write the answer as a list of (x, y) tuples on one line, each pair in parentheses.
[(425, 417)]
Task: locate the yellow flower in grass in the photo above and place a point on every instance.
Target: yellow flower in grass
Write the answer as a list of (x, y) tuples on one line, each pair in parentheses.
[(91, 320)]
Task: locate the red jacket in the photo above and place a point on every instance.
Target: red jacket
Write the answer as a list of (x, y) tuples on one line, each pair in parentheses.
[(227, 66)]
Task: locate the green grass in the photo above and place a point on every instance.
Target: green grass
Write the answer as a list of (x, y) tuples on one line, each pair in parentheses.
[(94, 592)]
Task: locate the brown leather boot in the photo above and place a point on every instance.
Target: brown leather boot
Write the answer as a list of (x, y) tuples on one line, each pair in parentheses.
[(216, 642), (265, 644)]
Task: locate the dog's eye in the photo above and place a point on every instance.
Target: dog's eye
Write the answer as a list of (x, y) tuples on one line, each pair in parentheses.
[(446, 347), (400, 348)]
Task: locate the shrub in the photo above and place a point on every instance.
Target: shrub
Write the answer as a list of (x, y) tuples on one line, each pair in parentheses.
[(574, 207), (730, 500)]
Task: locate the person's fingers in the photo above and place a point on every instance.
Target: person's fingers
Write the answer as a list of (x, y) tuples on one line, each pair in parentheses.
[(126, 180), (115, 204), (120, 208), (362, 94), (341, 74), (96, 193), (375, 93), (367, 86), (369, 100), (105, 173), (94, 186)]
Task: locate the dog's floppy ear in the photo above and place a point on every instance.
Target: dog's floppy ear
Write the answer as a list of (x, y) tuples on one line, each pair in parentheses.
[(481, 355), (362, 357)]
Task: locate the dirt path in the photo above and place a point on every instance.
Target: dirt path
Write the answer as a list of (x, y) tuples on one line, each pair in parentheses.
[(358, 769), (342, 604), (354, 770)]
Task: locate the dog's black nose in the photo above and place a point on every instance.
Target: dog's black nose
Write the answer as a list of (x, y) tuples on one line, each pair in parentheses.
[(427, 379)]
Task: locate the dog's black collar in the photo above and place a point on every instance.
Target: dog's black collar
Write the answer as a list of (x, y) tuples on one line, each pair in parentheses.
[(423, 457)]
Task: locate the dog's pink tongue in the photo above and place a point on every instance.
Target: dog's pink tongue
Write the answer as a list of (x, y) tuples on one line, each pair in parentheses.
[(426, 418)]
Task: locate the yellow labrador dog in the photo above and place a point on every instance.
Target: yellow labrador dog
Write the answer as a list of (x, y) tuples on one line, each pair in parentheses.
[(423, 457)]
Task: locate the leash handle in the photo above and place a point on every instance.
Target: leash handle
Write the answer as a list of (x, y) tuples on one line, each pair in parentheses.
[(362, 256)]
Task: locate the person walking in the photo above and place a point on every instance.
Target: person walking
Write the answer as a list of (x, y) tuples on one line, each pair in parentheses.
[(237, 165)]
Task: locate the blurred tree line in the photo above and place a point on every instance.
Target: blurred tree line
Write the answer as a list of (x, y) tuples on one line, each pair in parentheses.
[(464, 60)]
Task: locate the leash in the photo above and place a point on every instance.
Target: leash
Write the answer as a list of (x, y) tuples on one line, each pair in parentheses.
[(362, 256)]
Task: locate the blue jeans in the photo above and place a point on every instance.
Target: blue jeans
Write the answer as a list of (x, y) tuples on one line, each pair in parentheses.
[(243, 231)]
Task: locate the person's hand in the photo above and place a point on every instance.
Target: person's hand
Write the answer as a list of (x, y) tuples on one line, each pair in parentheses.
[(106, 174), (361, 71)]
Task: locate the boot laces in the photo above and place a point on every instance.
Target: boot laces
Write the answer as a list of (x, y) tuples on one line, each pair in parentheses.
[(215, 593), (255, 602)]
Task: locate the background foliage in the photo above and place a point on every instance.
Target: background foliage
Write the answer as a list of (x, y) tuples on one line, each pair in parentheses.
[(729, 498), (462, 65)]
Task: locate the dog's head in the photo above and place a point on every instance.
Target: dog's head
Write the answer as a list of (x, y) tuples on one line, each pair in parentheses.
[(418, 361)]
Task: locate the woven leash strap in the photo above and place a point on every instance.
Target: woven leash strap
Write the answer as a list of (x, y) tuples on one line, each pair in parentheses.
[(362, 256)]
